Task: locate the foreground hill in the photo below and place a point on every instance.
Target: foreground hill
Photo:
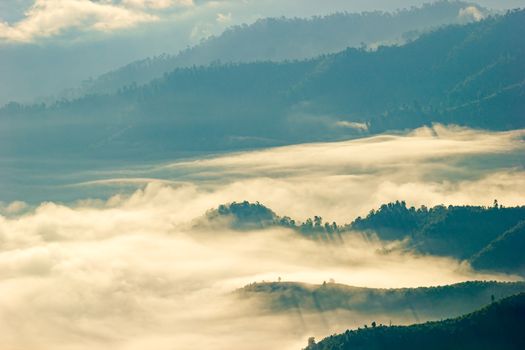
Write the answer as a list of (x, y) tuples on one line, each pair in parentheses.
[(470, 75), (412, 304), (498, 326)]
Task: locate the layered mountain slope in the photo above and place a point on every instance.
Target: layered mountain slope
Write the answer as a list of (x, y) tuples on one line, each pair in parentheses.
[(279, 39), (470, 75)]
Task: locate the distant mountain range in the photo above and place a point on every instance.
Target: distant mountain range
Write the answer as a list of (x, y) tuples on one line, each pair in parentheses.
[(469, 75), (497, 326), (35, 72), (280, 39)]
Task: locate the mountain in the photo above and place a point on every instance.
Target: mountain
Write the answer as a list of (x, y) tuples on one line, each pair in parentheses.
[(41, 72), (250, 216), (498, 326), (505, 254), (469, 75), (458, 231), (414, 304), (242, 216), (490, 238), (280, 39)]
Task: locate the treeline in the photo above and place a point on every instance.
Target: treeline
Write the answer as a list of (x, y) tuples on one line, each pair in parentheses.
[(497, 326), (406, 304), (491, 238), (245, 215)]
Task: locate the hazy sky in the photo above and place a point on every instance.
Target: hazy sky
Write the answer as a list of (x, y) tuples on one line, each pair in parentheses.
[(34, 20)]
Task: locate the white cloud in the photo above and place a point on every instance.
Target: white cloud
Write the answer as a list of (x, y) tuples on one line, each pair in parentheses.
[(157, 4), (345, 179), (224, 18), (46, 18), (13, 207), (352, 125), (471, 13)]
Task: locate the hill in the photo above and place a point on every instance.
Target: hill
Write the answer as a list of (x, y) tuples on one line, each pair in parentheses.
[(247, 216), (469, 75), (458, 231), (498, 326), (416, 304), (491, 238), (505, 253)]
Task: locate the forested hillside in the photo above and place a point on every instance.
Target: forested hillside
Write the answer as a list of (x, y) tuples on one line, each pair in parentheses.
[(279, 39), (498, 326), (424, 303), (506, 253), (469, 75), (492, 238), (459, 231)]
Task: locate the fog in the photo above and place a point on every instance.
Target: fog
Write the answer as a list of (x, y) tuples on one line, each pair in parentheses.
[(134, 272), (342, 180)]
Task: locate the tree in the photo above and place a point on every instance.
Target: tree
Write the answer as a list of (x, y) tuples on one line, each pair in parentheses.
[(311, 341)]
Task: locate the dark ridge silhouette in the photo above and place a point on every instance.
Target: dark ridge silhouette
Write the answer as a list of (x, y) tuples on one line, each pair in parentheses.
[(491, 238), (505, 254), (458, 231), (246, 215), (497, 326)]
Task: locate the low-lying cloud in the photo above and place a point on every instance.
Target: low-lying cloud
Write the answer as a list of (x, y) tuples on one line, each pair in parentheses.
[(132, 271), (130, 274), (341, 180)]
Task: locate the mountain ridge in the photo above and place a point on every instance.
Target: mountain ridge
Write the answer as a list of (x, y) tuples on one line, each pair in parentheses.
[(497, 326), (292, 39), (246, 106)]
